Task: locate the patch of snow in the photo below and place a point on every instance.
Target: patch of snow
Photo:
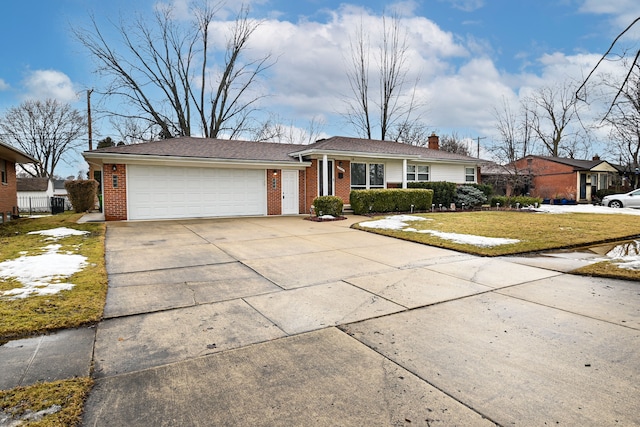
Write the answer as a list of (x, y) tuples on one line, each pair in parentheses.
[(392, 222), (43, 274), (470, 239), (399, 222), (560, 209), (60, 232), (327, 217)]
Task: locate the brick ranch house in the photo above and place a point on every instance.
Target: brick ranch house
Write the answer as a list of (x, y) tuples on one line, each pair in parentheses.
[(9, 156), (196, 177), (564, 178)]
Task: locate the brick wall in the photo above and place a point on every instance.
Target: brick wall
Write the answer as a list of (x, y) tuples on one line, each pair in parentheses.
[(550, 179), (115, 198), (8, 194), (343, 185), (274, 192), (302, 190), (311, 184)]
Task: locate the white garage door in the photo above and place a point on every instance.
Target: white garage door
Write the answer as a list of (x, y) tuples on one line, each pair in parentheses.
[(163, 192)]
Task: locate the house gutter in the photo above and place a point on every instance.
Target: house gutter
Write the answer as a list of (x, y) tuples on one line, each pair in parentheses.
[(144, 159)]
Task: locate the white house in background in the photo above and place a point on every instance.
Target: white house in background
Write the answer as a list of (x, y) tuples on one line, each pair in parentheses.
[(34, 194)]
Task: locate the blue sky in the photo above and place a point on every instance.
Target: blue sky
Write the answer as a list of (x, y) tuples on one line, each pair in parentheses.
[(469, 54)]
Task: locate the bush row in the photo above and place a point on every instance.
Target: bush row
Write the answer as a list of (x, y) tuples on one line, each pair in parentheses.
[(390, 200), (444, 193)]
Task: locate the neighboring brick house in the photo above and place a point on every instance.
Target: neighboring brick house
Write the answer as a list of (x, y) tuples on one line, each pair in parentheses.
[(9, 156), (197, 177), (569, 179)]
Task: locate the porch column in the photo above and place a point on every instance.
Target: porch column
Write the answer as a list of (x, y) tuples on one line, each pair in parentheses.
[(404, 173), (325, 175)]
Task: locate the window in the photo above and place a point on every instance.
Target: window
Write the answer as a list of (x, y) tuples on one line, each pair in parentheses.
[(470, 174), (361, 180), (417, 173), (115, 181), (3, 171), (376, 175), (358, 176)]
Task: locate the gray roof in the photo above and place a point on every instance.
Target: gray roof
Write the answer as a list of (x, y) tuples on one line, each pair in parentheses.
[(190, 147), (207, 148), (32, 184), (577, 164), (371, 146)]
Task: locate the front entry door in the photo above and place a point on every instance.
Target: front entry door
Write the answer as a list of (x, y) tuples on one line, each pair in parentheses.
[(289, 192)]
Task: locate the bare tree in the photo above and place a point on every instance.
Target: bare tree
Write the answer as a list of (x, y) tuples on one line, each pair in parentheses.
[(395, 106), (161, 69), (276, 130), (454, 144), (46, 130), (553, 113), (581, 92), (623, 117), (515, 133)]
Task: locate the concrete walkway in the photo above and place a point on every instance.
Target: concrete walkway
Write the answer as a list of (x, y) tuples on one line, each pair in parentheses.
[(282, 321)]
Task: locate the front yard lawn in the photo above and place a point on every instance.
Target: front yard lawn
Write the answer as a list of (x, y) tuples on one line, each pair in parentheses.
[(58, 403), (533, 231), (81, 305)]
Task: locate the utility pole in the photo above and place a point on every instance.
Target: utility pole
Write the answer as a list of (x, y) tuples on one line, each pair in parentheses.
[(479, 138), (89, 133)]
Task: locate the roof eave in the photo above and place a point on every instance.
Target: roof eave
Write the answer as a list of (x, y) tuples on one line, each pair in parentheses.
[(370, 155), (102, 158)]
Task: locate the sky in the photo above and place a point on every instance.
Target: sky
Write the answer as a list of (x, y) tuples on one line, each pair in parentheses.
[(467, 56)]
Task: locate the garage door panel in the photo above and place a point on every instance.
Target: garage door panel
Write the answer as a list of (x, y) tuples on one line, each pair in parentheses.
[(163, 192)]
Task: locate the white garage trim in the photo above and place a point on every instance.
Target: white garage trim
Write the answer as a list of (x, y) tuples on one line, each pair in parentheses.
[(169, 192)]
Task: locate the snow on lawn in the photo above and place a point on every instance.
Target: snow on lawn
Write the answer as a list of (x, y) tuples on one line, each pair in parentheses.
[(43, 274), (399, 222), (557, 209)]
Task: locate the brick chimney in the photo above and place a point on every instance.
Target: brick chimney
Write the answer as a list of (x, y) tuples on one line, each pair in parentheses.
[(434, 141), (596, 158)]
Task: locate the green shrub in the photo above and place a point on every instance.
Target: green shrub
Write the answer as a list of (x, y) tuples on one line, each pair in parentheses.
[(512, 201), (487, 189), (444, 193), (390, 200), (328, 205), (82, 194), (603, 192), (469, 196)]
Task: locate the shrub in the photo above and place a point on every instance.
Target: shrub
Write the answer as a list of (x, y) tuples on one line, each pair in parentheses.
[(601, 193), (390, 200), (487, 189), (443, 192), (512, 201), (82, 194), (468, 195), (328, 205)]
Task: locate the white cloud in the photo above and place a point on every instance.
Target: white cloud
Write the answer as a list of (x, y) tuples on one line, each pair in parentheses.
[(622, 12), (466, 5), (43, 84), (4, 85)]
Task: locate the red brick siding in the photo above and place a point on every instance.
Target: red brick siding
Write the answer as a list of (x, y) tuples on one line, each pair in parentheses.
[(343, 186), (115, 199), (311, 183), (550, 179), (8, 193), (302, 190), (274, 194)]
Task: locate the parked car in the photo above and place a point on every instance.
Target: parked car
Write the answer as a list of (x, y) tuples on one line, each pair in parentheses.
[(627, 200)]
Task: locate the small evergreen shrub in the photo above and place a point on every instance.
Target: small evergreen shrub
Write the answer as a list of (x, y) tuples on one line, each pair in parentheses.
[(469, 196), (390, 200), (487, 189), (328, 205), (82, 194)]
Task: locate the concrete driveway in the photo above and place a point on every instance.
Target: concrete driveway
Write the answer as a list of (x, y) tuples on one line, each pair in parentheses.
[(285, 322)]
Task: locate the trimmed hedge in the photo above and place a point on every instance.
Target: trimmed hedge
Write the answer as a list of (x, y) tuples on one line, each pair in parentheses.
[(470, 196), (390, 200), (328, 205), (511, 201), (82, 194), (444, 193)]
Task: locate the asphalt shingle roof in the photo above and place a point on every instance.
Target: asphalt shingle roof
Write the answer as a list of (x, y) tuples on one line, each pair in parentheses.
[(270, 151), (32, 184)]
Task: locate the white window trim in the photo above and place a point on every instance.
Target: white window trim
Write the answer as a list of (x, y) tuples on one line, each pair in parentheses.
[(368, 177)]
